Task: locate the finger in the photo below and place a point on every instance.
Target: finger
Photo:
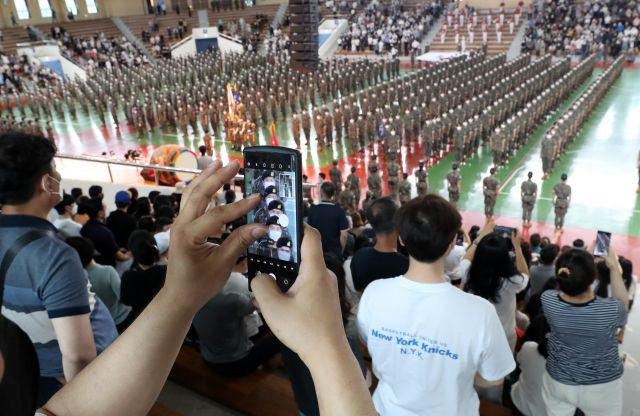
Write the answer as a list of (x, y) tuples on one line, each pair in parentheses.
[(240, 239), (210, 170), (212, 220), (269, 296), (203, 191), (311, 250)]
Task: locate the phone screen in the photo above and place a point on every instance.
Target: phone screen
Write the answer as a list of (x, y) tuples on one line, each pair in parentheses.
[(603, 239), (504, 231), (275, 175)]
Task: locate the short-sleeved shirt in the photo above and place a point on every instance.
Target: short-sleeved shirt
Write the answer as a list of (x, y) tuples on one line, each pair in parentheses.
[(105, 282), (424, 355), (121, 225), (103, 240), (329, 219), (46, 281), (369, 264), (582, 346)]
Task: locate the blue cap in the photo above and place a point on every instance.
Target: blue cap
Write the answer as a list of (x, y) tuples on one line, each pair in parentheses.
[(123, 197)]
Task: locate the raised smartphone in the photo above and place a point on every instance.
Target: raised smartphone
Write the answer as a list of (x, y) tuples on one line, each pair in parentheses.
[(603, 239), (276, 174)]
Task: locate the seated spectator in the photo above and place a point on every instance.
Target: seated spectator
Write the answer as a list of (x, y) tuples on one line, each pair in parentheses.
[(146, 277), (535, 242), (119, 222), (330, 220), (578, 243), (102, 238), (382, 261), (488, 271), (65, 223), (95, 192), (541, 273), (104, 280), (301, 381), (204, 160), (224, 342), (630, 281), (45, 287), (526, 393), (584, 369), (425, 361), (147, 223), (143, 207)]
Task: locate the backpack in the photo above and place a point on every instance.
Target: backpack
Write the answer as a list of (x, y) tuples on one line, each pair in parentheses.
[(19, 385)]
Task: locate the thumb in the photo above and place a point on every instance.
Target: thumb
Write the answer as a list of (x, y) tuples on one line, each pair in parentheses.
[(240, 239), (268, 295)]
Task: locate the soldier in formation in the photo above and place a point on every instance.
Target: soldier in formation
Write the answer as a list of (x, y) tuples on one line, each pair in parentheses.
[(529, 194)]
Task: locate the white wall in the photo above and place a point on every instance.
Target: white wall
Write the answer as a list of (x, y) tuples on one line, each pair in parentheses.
[(187, 47), (227, 45)]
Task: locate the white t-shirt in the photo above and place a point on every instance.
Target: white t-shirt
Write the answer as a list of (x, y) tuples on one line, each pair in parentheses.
[(424, 352), (526, 393), (506, 305), (452, 261), (68, 227)]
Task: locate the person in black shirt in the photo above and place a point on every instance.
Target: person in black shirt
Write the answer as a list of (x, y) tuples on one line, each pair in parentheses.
[(330, 220), (121, 223), (299, 375), (381, 261), (143, 281), (101, 236)]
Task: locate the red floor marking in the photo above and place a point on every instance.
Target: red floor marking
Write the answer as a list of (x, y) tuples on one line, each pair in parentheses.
[(627, 246)]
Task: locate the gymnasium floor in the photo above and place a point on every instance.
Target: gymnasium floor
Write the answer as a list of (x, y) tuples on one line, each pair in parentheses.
[(601, 165)]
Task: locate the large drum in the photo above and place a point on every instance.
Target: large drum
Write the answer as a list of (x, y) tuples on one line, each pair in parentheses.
[(173, 156)]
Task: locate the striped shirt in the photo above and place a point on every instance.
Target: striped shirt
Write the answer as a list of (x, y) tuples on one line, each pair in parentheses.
[(583, 349), (46, 281)]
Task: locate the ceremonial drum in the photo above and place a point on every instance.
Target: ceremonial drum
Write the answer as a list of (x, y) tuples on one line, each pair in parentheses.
[(173, 156)]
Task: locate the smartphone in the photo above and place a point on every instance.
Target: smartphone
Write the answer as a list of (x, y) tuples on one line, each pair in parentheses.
[(603, 239), (504, 231), (276, 174)]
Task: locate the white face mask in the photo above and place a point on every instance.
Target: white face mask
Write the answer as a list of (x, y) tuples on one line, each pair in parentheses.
[(284, 255), (59, 194), (74, 209), (268, 200), (268, 182), (275, 234)]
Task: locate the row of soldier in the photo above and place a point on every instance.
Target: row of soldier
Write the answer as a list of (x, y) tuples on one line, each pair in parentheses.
[(564, 131)]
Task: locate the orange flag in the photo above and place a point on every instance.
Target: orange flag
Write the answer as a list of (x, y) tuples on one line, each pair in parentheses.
[(274, 139)]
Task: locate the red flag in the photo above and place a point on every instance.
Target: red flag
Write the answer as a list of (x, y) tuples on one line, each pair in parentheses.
[(274, 139)]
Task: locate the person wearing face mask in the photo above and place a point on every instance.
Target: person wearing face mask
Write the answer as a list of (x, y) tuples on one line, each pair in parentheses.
[(284, 248), (46, 288), (267, 245), (65, 223)]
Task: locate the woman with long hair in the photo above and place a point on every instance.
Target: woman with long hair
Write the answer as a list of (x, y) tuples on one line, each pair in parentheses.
[(489, 271)]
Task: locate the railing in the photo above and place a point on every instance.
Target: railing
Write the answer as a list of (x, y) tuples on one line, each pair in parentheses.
[(182, 42), (237, 180)]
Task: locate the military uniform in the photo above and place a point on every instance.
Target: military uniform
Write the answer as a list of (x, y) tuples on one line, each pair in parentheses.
[(453, 186), (562, 196), (393, 169), (404, 191), (528, 191), (295, 129), (422, 181), (490, 186)]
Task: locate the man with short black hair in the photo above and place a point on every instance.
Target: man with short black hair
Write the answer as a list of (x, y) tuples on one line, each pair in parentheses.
[(101, 236), (541, 273), (381, 261), (95, 192), (204, 160), (330, 220), (425, 355), (65, 223), (119, 222), (45, 289)]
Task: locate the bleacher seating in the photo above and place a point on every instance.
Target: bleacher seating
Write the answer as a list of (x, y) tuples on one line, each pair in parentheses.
[(262, 393), (13, 36), (493, 47), (86, 28)]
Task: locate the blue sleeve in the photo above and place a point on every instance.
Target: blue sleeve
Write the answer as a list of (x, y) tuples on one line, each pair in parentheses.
[(621, 315), (64, 288)]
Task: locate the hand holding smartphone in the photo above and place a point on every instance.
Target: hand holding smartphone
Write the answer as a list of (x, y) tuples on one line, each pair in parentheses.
[(276, 174), (603, 240)]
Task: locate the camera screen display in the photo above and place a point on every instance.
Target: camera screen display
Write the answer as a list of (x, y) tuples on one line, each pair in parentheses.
[(603, 239), (273, 177)]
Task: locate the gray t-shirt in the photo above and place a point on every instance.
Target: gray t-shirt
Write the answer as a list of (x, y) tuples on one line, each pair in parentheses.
[(539, 276), (105, 282), (221, 327)]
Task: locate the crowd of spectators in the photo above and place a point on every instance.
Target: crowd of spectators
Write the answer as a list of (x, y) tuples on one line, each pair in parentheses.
[(18, 75), (607, 28), (383, 27), (98, 51), (404, 274)]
